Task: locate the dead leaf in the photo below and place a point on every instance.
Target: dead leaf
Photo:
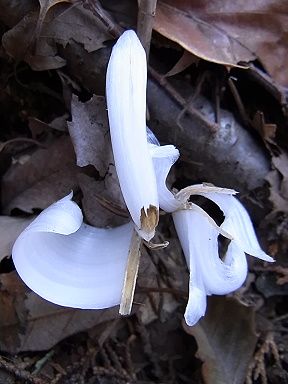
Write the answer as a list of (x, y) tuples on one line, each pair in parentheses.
[(281, 164), (47, 176), (29, 323), (226, 341), (37, 127), (60, 26), (78, 25), (183, 63), (20, 140), (12, 291), (178, 22), (90, 133), (267, 131), (228, 32), (279, 203), (45, 5), (18, 47), (14, 10), (10, 229), (278, 181), (102, 202)]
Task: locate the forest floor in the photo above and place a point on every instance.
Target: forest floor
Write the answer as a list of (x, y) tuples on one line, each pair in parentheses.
[(53, 61)]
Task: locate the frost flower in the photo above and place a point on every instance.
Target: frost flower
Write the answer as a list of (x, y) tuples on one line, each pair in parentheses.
[(71, 263), (199, 235), (126, 100)]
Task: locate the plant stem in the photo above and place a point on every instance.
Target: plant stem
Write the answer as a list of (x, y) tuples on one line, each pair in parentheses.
[(130, 275), (145, 20)]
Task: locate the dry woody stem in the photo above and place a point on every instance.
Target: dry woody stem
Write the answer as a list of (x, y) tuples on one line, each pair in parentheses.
[(146, 14), (130, 275)]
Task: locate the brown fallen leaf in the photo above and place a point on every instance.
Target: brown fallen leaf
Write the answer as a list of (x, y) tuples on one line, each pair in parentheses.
[(60, 26), (278, 181), (178, 22), (29, 323), (226, 341), (10, 142), (45, 57), (184, 62), (37, 127), (45, 5), (102, 202), (90, 133), (47, 176), (279, 202), (10, 229), (228, 32), (281, 164), (267, 131)]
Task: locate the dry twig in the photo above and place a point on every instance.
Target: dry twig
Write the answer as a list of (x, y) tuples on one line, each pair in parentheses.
[(180, 100), (146, 14), (95, 7), (131, 274)]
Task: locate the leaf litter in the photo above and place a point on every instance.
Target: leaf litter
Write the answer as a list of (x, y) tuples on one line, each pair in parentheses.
[(11, 227), (44, 178), (222, 31), (219, 349), (151, 345), (56, 25), (89, 133)]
